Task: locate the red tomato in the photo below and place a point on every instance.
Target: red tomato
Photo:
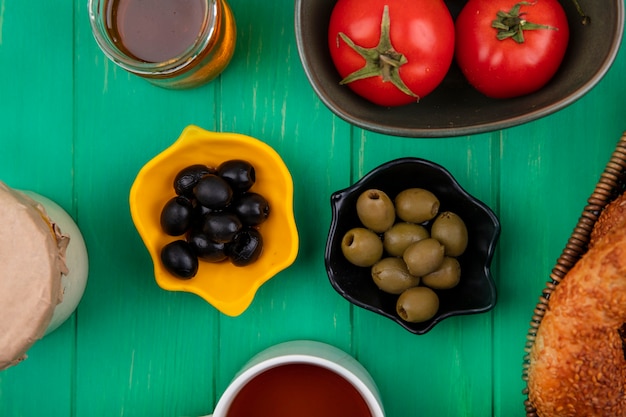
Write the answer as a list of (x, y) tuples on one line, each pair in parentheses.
[(392, 52), (511, 66)]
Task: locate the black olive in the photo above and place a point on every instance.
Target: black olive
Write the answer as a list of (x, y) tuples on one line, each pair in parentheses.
[(199, 214), (221, 226), (176, 216), (240, 174), (188, 177), (246, 247), (213, 192), (251, 208), (179, 259), (205, 248)]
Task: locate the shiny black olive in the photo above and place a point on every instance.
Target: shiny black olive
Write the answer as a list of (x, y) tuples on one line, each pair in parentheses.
[(179, 259), (213, 192), (199, 214), (251, 208), (246, 247), (188, 177), (240, 174), (176, 216), (205, 248), (221, 226)]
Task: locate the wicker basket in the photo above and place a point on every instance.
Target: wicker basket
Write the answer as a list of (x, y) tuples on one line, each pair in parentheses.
[(612, 183)]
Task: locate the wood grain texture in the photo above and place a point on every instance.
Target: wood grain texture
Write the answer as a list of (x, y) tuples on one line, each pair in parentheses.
[(36, 153), (77, 129)]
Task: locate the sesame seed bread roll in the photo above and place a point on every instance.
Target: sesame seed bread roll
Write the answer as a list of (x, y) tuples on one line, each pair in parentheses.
[(577, 362)]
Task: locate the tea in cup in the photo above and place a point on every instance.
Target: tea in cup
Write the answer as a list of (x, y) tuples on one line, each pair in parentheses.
[(304, 379)]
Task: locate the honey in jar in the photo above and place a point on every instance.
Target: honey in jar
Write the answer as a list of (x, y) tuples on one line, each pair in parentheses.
[(171, 43)]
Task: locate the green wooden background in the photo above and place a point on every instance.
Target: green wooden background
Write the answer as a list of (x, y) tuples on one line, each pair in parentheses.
[(77, 129)]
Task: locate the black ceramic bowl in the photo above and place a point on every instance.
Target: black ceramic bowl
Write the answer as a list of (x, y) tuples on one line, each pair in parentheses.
[(455, 108), (475, 293)]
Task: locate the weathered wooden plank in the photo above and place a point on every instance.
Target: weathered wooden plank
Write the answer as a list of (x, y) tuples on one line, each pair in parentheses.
[(36, 143), (266, 95)]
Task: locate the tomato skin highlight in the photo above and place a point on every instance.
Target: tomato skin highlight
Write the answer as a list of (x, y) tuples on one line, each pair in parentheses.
[(421, 30), (505, 68)]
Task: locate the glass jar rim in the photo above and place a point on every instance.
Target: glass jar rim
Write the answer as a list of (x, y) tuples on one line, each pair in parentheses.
[(100, 14)]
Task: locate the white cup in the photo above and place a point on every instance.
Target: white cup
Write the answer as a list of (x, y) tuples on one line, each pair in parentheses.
[(310, 353)]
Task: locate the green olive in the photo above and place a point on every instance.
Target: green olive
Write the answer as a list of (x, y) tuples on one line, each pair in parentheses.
[(416, 205), (417, 304), (362, 247), (446, 276), (424, 256), (450, 230), (375, 210), (401, 235), (391, 275)]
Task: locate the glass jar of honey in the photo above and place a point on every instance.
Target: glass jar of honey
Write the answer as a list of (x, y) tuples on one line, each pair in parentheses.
[(174, 44)]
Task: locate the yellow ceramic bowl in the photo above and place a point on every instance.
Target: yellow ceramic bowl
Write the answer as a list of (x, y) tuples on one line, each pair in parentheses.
[(228, 288)]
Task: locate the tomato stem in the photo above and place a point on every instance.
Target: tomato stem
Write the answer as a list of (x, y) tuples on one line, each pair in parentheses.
[(512, 24), (382, 60), (585, 19)]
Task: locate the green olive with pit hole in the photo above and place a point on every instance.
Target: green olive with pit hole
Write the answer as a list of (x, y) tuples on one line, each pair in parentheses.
[(401, 235), (416, 205), (451, 231), (424, 256), (392, 276), (375, 210), (362, 247), (446, 276), (417, 304)]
